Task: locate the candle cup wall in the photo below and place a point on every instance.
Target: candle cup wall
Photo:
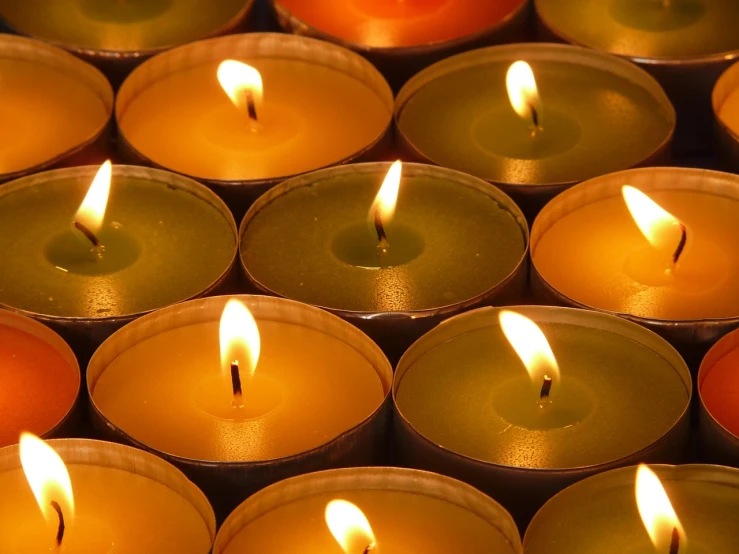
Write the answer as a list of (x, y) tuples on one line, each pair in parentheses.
[(110, 40), (532, 179), (227, 483), (395, 331), (240, 193), (89, 144), (400, 63), (727, 137), (523, 490), (373, 483)]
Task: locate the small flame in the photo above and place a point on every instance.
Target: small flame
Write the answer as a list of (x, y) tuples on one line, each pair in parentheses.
[(532, 347), (48, 477), (659, 227), (350, 527), (522, 92), (656, 510), (92, 210), (238, 80), (239, 336), (384, 205)]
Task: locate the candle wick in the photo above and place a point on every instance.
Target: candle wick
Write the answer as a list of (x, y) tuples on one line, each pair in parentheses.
[(370, 548), (60, 530), (546, 388), (89, 235), (380, 229), (236, 383), (251, 106), (681, 245), (675, 542)]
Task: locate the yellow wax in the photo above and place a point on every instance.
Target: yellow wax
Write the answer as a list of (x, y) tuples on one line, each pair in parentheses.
[(168, 392), (597, 256), (403, 523), (312, 116), (44, 113), (116, 512), (729, 111)]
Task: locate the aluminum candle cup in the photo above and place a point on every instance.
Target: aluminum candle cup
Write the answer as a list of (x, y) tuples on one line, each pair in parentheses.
[(323, 105), (599, 114), (725, 101), (319, 397), (408, 511), (685, 44), (402, 38), (40, 377), (600, 513), (117, 36), (55, 108), (612, 267), (455, 242), (125, 500), (463, 408), (166, 239)]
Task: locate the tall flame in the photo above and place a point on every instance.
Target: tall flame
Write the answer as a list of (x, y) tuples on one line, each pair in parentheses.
[(656, 511), (237, 80), (350, 527), (48, 477), (523, 93), (92, 210), (529, 342), (239, 337), (659, 227), (384, 205)]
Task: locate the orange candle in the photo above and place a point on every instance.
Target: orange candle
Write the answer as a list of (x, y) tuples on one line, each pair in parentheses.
[(718, 383), (39, 375)]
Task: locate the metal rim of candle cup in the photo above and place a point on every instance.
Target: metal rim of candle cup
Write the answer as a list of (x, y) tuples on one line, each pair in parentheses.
[(328, 454), (541, 51), (391, 479), (51, 338), (727, 137), (185, 56), (90, 76), (409, 169), (491, 474), (95, 453), (685, 332), (158, 178)]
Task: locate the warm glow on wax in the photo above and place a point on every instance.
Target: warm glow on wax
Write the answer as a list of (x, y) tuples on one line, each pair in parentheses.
[(383, 208), (659, 227), (92, 210), (239, 337), (657, 512), (240, 80), (523, 93), (350, 527)]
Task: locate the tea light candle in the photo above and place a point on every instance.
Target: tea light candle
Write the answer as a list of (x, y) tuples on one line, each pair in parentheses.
[(310, 397), (454, 242), (466, 407), (123, 500), (164, 239), (54, 107), (322, 105), (598, 115), (725, 101), (40, 376), (405, 511)]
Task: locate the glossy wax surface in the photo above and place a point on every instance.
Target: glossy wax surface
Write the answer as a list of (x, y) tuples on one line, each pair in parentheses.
[(729, 112), (177, 245), (312, 116), (647, 28), (585, 256), (39, 386), (120, 25), (469, 244), (720, 388), (45, 113), (397, 23), (403, 523), (116, 512), (593, 122), (161, 392), (452, 396)]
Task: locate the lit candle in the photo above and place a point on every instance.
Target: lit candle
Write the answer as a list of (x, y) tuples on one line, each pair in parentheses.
[(466, 407)]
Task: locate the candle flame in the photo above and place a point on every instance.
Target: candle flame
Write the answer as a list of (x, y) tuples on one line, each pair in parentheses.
[(656, 511), (239, 80), (523, 93), (350, 527), (659, 227), (529, 342), (383, 207), (48, 477), (92, 210), (239, 336)]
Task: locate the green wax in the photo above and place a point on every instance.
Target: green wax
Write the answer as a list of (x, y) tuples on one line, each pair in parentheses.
[(647, 28), (120, 25), (447, 243), (161, 245), (615, 398), (593, 122)]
